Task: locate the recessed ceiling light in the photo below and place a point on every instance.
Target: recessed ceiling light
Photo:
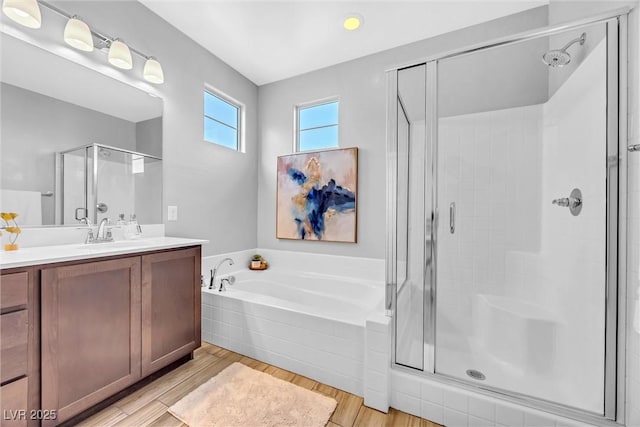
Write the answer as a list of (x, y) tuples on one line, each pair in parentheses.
[(352, 22)]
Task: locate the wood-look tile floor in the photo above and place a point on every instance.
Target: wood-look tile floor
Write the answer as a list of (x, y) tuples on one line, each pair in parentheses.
[(148, 406)]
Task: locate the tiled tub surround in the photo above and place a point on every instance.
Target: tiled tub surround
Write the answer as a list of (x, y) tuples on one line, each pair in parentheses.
[(298, 317)]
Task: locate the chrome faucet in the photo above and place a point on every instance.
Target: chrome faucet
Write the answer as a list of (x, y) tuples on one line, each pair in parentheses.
[(89, 238), (103, 235), (214, 272), (102, 229), (230, 281)]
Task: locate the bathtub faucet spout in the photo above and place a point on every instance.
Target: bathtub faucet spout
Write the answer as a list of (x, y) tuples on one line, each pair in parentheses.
[(214, 273)]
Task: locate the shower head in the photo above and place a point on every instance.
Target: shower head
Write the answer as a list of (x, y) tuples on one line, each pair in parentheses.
[(556, 58), (560, 57)]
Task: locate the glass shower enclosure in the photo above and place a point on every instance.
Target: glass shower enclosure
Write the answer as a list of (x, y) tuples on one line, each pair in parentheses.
[(98, 181), (503, 216)]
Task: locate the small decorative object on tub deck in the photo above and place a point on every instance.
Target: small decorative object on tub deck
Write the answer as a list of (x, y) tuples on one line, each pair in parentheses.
[(317, 195), (14, 230), (258, 263)]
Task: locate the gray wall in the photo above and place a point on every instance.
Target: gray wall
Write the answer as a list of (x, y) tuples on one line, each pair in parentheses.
[(361, 86), (213, 187), (35, 127), (149, 137), (495, 79), (149, 202)]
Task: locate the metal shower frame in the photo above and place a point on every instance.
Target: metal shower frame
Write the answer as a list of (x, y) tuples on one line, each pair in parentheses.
[(89, 172), (615, 327)]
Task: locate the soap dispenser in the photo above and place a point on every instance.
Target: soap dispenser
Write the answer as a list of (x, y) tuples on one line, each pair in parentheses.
[(132, 230), (137, 230)]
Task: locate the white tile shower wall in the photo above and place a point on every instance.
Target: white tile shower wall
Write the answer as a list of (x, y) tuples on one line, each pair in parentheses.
[(569, 273), (633, 231), (456, 407), (324, 350), (490, 164), (490, 167), (503, 168)]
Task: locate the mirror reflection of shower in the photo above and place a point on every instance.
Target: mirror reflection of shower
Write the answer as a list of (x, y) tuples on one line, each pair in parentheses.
[(100, 181), (560, 57)]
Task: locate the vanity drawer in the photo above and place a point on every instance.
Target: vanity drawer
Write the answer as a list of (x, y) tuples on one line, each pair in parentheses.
[(13, 345), (13, 290), (14, 403)]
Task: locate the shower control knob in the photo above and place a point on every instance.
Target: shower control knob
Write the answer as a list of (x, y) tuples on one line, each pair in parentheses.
[(573, 202), (564, 202)]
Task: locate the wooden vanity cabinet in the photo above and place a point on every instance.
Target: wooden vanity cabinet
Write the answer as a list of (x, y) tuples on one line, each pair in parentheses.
[(110, 322), (90, 333), (170, 310), (19, 355)]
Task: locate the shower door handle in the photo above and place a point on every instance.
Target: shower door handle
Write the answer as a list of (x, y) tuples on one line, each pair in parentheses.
[(452, 217)]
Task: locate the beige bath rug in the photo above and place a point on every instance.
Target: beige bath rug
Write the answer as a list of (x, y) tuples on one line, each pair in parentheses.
[(243, 397)]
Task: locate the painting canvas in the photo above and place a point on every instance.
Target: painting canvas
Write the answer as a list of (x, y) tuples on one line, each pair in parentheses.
[(317, 193)]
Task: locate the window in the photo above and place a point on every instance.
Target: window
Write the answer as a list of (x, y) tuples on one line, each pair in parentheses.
[(221, 121), (317, 126)]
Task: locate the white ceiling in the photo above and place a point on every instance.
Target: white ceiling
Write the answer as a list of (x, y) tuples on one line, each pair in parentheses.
[(268, 40)]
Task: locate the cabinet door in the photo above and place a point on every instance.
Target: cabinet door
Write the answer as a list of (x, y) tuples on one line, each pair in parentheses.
[(90, 333), (14, 403), (13, 345), (170, 307)]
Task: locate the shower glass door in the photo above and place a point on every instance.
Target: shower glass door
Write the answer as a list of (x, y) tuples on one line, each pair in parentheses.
[(413, 201), (522, 227)]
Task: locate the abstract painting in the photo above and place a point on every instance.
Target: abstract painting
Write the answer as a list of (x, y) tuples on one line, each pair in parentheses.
[(317, 196)]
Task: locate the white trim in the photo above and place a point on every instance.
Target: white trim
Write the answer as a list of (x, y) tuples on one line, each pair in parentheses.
[(296, 120), (240, 142)]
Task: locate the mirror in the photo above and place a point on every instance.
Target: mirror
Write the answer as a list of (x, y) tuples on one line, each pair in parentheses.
[(52, 105)]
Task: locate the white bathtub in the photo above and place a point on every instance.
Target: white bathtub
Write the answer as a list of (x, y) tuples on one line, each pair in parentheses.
[(309, 323), (342, 299)]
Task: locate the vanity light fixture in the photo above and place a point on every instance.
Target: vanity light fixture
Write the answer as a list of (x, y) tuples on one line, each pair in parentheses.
[(78, 34), (24, 12), (352, 21), (152, 71), (120, 55)]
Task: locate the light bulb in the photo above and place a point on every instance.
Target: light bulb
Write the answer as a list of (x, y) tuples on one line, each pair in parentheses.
[(152, 71), (120, 55), (78, 34), (24, 12), (352, 22)]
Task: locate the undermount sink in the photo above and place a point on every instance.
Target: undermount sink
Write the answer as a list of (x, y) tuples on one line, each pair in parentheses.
[(69, 251), (115, 244)]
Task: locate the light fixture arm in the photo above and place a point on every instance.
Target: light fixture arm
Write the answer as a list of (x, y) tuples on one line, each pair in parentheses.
[(103, 37)]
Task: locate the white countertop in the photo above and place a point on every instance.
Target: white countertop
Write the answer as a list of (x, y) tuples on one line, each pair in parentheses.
[(60, 253)]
